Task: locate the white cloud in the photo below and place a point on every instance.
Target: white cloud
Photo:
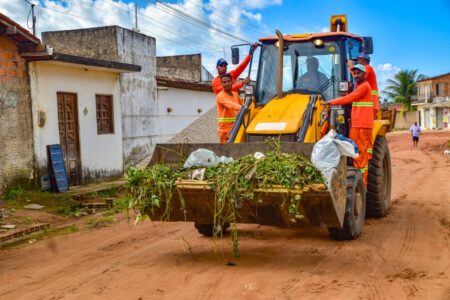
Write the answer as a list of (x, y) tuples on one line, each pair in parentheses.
[(385, 72), (260, 3), (174, 34), (256, 17), (387, 67)]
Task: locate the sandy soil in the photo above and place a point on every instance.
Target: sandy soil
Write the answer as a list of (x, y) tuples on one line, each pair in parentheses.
[(404, 255)]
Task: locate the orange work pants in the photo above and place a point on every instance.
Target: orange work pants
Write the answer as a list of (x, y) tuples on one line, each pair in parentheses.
[(223, 135), (363, 139)]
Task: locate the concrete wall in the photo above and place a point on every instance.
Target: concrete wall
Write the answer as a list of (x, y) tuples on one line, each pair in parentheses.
[(406, 119), (101, 154), (16, 138), (185, 107), (138, 90), (184, 67)]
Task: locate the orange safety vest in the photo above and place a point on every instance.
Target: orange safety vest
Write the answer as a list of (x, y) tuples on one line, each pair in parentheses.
[(371, 77), (362, 105), (217, 82), (228, 107)]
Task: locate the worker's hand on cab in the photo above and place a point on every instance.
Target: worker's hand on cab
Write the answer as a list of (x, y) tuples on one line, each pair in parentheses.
[(246, 80), (323, 102), (254, 46), (350, 63)]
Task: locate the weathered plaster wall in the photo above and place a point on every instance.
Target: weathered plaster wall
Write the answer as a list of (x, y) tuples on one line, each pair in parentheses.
[(100, 154), (16, 139), (184, 67), (137, 90), (85, 42), (406, 119), (185, 107)]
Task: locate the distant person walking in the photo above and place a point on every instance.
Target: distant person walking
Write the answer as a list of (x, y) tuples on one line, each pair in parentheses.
[(415, 133)]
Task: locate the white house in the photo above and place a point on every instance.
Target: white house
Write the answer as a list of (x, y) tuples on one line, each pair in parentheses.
[(76, 102), (433, 102), (184, 93), (181, 103)]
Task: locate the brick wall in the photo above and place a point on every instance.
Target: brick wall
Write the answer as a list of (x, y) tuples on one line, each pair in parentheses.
[(405, 120), (16, 136)]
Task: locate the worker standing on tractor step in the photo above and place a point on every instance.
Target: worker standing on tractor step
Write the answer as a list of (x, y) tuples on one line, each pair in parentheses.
[(361, 119), (228, 106), (371, 77), (221, 67)]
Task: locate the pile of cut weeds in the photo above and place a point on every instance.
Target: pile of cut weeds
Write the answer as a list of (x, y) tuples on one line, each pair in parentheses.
[(153, 188)]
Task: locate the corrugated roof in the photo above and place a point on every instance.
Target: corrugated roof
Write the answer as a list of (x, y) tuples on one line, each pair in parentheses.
[(434, 77)]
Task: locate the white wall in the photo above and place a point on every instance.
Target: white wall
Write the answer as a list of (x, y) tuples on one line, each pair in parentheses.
[(184, 104), (101, 155)]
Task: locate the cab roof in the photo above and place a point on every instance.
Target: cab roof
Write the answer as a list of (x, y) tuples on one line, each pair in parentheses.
[(309, 36)]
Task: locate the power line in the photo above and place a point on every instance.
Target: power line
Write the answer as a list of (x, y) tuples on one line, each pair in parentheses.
[(226, 14), (148, 32), (202, 22), (149, 20)]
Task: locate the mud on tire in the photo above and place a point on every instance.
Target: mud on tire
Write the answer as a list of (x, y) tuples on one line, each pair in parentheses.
[(379, 183), (354, 209)]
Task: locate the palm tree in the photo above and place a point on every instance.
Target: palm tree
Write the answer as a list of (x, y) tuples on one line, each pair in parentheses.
[(403, 86)]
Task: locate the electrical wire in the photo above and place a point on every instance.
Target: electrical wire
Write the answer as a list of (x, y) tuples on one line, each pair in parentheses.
[(149, 20), (200, 22)]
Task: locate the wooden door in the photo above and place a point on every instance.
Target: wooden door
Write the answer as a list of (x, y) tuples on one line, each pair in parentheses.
[(68, 135)]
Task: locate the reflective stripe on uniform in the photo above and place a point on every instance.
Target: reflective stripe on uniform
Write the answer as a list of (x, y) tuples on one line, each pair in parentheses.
[(226, 120), (374, 92), (363, 170), (369, 150), (363, 104)]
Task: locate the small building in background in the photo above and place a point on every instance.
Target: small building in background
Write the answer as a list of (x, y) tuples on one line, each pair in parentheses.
[(137, 91), (433, 102), (184, 92), (16, 135), (76, 102)]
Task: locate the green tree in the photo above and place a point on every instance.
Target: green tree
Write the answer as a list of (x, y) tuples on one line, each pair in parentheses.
[(403, 86)]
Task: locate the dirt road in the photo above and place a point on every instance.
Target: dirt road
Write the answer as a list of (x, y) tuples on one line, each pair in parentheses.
[(405, 255)]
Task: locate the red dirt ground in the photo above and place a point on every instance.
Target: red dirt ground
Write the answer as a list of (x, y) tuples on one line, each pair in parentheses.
[(404, 255)]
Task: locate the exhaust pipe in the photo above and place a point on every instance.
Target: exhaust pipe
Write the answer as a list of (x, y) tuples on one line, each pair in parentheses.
[(280, 63)]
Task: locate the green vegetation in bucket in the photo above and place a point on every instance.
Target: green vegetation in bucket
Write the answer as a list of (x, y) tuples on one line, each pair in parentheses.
[(233, 183)]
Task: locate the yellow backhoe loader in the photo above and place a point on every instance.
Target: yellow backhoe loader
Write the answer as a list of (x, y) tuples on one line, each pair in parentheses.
[(283, 105)]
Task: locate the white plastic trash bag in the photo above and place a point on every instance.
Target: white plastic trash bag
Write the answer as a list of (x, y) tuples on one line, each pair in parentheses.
[(327, 153), (205, 158)]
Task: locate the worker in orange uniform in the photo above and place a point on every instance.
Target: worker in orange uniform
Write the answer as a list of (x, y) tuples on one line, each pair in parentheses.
[(228, 106), (371, 77), (361, 119), (221, 67)]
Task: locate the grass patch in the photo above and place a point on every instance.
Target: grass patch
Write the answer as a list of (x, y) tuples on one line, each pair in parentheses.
[(100, 222)]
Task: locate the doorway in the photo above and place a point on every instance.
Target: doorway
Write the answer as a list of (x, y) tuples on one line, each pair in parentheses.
[(68, 135)]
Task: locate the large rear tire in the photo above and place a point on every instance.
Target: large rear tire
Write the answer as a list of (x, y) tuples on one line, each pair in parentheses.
[(355, 208), (380, 177), (209, 230)]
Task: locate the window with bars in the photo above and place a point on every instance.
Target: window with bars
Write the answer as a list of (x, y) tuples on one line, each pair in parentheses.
[(105, 122)]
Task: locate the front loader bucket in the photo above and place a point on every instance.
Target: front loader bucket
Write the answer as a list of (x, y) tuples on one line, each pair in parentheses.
[(318, 205)]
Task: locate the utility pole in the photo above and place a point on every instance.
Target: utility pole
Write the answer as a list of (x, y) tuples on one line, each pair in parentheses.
[(33, 17), (136, 28)]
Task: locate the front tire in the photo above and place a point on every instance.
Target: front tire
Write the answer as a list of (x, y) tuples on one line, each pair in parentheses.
[(355, 208), (380, 180)]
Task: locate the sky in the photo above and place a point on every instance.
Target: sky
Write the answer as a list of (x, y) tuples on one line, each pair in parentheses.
[(407, 34)]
